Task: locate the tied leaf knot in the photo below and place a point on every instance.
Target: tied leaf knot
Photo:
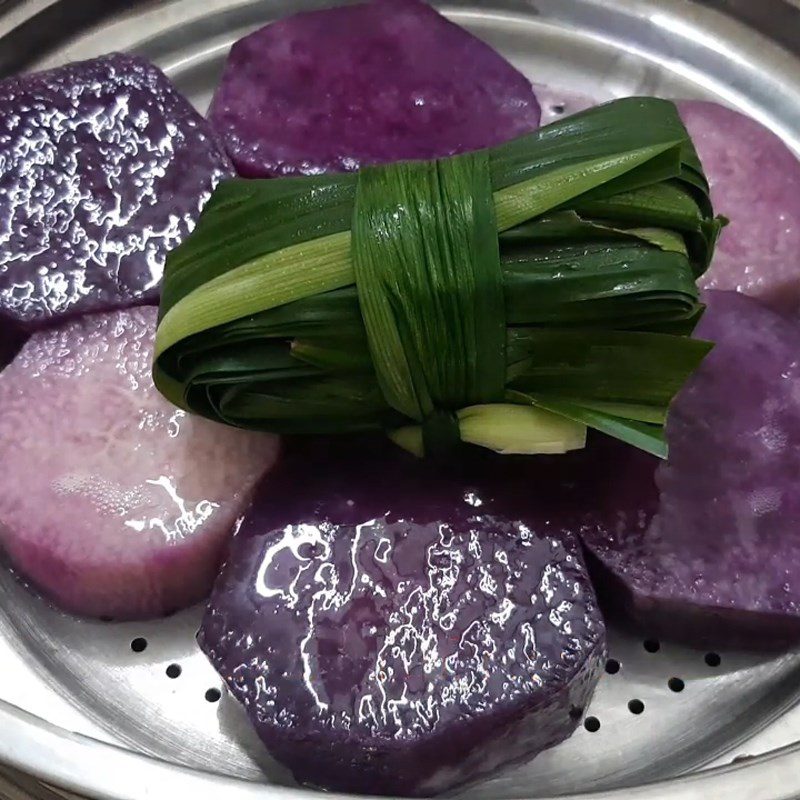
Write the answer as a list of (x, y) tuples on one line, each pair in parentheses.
[(427, 270)]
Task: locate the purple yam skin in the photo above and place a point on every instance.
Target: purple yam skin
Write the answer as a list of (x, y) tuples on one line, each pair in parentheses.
[(755, 182), (704, 548), (105, 169), (315, 650), (381, 81)]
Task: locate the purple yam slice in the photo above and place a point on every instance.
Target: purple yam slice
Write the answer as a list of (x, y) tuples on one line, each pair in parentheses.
[(755, 182), (113, 502), (390, 633), (364, 84), (709, 550), (105, 167)]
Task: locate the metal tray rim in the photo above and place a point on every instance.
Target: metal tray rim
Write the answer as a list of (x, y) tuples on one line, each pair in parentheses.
[(51, 754)]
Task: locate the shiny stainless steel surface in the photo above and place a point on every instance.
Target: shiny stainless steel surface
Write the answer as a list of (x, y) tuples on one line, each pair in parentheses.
[(136, 732)]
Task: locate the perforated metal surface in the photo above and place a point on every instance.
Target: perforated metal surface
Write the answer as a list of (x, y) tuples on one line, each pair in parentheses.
[(121, 677), (661, 709)]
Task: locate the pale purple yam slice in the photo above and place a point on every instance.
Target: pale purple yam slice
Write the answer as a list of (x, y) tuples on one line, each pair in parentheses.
[(105, 167), (755, 182), (713, 553), (113, 502), (390, 632), (363, 84), (557, 103)]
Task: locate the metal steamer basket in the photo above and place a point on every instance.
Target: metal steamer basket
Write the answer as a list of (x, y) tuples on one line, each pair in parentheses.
[(133, 711)]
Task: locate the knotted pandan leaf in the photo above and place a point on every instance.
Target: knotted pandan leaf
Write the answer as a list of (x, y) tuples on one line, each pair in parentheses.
[(509, 298)]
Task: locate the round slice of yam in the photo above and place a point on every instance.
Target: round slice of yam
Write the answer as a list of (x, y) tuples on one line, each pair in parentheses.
[(113, 502), (704, 547), (331, 90), (105, 168), (393, 632)]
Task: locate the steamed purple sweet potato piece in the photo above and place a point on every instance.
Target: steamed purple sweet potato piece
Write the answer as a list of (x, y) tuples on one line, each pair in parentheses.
[(105, 168), (390, 632), (113, 502), (705, 547), (755, 182), (364, 84)]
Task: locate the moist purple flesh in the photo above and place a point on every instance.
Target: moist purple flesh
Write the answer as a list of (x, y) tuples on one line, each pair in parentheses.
[(755, 182), (105, 167), (705, 546), (362, 84), (390, 632), (113, 502)]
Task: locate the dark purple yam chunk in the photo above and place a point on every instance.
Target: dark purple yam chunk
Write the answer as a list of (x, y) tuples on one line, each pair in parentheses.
[(362, 84), (710, 550), (390, 633), (105, 168)]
